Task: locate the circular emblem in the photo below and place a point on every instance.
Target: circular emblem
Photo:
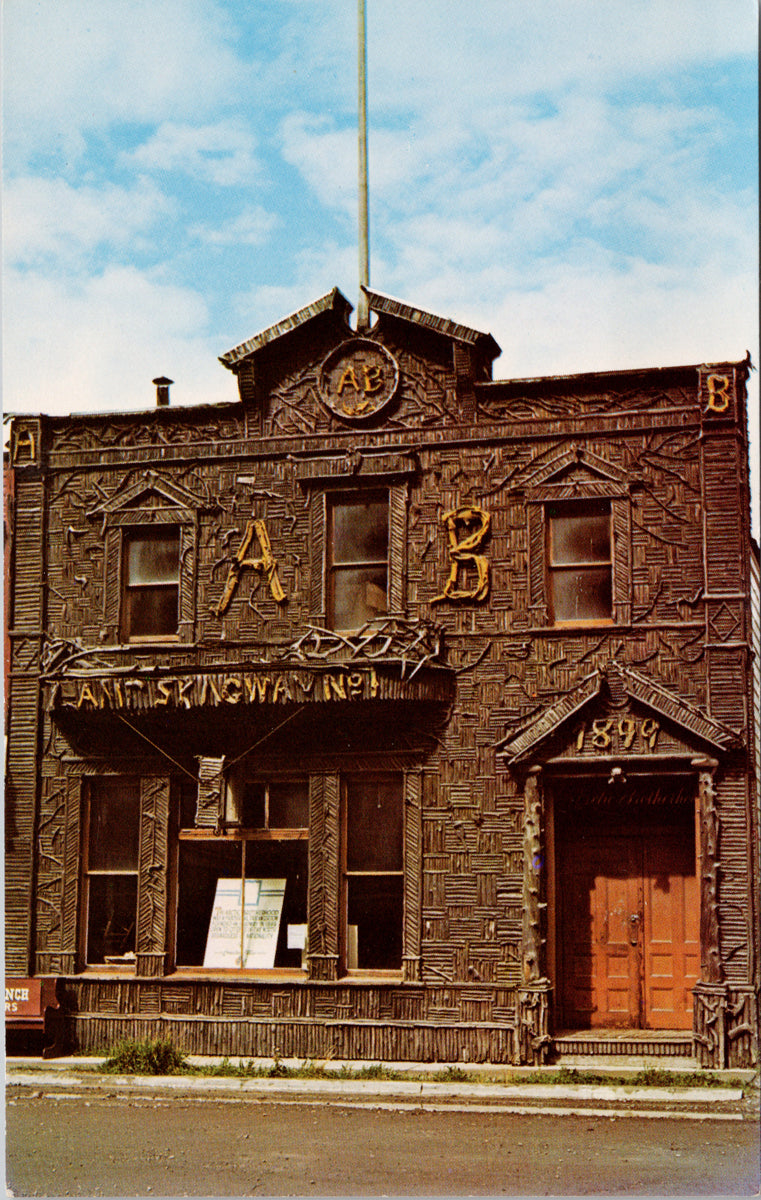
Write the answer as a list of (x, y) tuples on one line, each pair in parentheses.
[(358, 379)]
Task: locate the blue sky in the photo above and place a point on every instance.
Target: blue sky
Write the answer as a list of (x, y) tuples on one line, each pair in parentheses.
[(577, 177)]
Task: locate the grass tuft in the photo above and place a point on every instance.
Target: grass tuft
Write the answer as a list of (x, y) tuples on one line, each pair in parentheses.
[(149, 1057)]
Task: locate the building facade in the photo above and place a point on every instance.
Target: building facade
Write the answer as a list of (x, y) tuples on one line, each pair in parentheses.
[(389, 712)]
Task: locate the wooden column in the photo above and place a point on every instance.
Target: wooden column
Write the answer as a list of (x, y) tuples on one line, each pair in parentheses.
[(710, 993), (324, 874), (533, 1037), (152, 876), (533, 878), (710, 948), (70, 958), (413, 791)]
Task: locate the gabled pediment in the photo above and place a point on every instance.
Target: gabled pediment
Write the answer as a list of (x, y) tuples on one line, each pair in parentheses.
[(616, 712), (151, 492), (570, 469)]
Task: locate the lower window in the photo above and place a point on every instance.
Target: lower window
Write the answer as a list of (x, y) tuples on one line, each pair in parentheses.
[(242, 894), (111, 867), (373, 872)]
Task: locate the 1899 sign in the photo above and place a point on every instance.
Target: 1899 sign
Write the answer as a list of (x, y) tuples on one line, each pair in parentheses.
[(626, 733)]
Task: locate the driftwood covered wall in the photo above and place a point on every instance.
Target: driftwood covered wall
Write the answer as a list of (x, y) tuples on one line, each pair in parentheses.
[(468, 464)]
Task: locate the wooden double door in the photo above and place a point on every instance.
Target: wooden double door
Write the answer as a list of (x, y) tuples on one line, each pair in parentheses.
[(629, 919)]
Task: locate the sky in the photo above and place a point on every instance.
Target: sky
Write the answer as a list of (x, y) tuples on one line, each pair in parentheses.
[(576, 177)]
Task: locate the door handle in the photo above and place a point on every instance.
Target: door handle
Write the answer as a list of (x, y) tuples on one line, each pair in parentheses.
[(634, 921)]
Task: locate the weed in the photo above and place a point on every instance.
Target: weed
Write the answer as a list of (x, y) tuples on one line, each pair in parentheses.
[(149, 1057), (452, 1075)]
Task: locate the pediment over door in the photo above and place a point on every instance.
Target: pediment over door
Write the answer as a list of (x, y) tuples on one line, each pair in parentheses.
[(616, 716)]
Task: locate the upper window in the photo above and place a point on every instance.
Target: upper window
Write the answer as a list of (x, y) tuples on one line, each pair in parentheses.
[(151, 584), (357, 560), (579, 563)]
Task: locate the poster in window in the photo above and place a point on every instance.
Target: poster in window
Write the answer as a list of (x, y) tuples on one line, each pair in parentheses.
[(243, 932)]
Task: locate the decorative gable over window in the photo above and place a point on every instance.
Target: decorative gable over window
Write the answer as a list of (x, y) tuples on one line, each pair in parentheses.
[(578, 510), (150, 531)]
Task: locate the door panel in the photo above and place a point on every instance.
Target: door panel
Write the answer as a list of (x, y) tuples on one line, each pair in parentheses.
[(602, 882), (630, 916), (671, 933)]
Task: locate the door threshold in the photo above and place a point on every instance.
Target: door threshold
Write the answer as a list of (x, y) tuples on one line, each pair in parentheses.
[(597, 1044)]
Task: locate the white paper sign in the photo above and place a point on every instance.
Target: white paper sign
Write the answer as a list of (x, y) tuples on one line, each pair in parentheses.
[(255, 930), (297, 937)]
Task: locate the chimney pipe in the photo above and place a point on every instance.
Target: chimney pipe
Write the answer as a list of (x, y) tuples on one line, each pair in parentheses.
[(162, 391)]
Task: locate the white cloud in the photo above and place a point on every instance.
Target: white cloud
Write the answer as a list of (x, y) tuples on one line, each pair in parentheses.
[(222, 153), (47, 218), (251, 228), (79, 65), (95, 346)]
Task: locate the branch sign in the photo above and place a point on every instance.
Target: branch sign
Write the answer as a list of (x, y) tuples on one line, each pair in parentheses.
[(358, 379)]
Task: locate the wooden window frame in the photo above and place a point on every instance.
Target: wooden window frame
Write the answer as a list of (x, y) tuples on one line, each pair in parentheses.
[(120, 525), (554, 569), (397, 491), (539, 501), (88, 873), (230, 833), (345, 874), (347, 500), (151, 533)]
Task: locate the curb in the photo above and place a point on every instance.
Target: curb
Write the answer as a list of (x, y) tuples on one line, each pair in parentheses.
[(721, 1103)]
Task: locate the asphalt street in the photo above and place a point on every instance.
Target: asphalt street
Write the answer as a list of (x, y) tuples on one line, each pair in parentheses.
[(106, 1144)]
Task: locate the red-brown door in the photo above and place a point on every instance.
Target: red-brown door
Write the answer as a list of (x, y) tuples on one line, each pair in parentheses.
[(629, 938)]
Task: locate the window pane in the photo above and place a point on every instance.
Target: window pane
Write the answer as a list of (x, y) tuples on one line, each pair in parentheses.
[(289, 805), (114, 825), (111, 916), (360, 532), (582, 595), (154, 559), (359, 595), (581, 537), (288, 861), (374, 825), (244, 802), (151, 611), (202, 863), (376, 907)]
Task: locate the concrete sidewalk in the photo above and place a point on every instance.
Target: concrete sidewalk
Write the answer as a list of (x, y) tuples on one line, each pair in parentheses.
[(493, 1088)]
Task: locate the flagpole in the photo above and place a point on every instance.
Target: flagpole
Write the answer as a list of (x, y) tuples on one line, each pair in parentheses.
[(363, 316)]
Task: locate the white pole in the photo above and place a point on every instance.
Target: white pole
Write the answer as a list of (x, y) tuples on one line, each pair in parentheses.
[(363, 315)]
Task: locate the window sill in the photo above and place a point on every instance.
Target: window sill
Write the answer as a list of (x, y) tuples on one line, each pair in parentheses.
[(371, 975), (271, 975), (560, 627), (150, 639)]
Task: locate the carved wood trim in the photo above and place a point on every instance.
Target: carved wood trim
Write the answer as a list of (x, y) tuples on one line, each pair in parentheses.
[(152, 875), (413, 844), (537, 599), (397, 549), (324, 870), (70, 883), (211, 793), (318, 516), (534, 940), (710, 829), (621, 534)]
